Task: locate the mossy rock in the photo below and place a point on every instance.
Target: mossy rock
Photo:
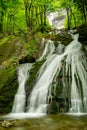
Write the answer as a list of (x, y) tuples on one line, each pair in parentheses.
[(8, 88), (52, 107), (64, 38)]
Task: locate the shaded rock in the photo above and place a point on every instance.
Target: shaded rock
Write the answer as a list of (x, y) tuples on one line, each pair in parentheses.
[(58, 105), (27, 59), (82, 30), (52, 107), (64, 37)]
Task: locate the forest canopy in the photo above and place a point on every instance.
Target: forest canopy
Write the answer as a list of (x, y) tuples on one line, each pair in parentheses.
[(26, 16)]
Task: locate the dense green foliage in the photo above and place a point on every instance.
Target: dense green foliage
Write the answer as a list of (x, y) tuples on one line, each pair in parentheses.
[(25, 16), (76, 12), (22, 16)]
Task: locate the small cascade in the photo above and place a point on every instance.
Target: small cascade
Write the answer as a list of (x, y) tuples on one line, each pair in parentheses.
[(77, 61), (38, 97), (49, 49), (20, 97)]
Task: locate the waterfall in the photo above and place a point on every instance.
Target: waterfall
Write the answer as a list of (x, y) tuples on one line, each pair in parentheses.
[(65, 69), (38, 97), (20, 97), (48, 50), (74, 61), (77, 61)]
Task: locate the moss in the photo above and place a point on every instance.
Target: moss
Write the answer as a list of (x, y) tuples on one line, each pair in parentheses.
[(3, 40), (8, 88), (6, 75), (32, 47), (9, 47)]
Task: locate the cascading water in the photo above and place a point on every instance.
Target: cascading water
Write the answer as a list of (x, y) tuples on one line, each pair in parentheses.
[(77, 61), (38, 98), (63, 75), (20, 97), (74, 61), (49, 49)]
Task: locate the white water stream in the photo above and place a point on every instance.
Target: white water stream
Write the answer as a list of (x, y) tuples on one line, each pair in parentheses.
[(48, 50), (20, 97)]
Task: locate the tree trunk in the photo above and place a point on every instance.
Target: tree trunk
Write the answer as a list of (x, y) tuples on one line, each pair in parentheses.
[(1, 21), (74, 18), (84, 13), (44, 14), (68, 21)]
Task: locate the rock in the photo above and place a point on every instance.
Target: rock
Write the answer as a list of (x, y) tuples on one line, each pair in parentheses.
[(27, 59), (82, 30), (6, 124), (62, 110), (64, 37), (52, 107)]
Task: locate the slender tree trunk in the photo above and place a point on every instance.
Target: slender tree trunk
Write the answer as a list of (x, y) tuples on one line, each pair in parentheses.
[(73, 18), (26, 13), (1, 21), (68, 20), (36, 15), (83, 9), (41, 16), (44, 14), (84, 13)]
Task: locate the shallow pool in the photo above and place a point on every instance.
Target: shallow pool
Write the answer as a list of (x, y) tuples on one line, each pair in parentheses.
[(49, 122)]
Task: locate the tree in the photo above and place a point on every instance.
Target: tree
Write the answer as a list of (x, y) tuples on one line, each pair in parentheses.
[(82, 6), (36, 12), (68, 6), (8, 10)]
